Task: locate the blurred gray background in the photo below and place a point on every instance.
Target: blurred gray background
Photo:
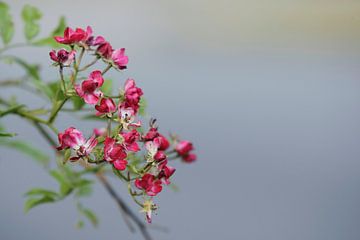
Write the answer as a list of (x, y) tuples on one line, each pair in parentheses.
[(269, 92)]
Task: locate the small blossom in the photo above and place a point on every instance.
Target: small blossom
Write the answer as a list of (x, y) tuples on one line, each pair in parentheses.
[(132, 93), (147, 209), (189, 158), (127, 117), (119, 58), (164, 143), (73, 37), (106, 106), (151, 134), (62, 57), (88, 90), (71, 138), (149, 184), (130, 139), (166, 172), (152, 148), (115, 153), (105, 50), (183, 147), (160, 156)]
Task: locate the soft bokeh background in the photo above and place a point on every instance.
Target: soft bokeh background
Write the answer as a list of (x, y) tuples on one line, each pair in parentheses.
[(269, 91)]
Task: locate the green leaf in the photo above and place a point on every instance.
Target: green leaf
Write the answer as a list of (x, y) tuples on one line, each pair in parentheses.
[(30, 16), (50, 41), (143, 106), (84, 191), (6, 24), (65, 186), (33, 202), (106, 88), (4, 134), (28, 150), (31, 69), (78, 102), (90, 215), (42, 192), (55, 92)]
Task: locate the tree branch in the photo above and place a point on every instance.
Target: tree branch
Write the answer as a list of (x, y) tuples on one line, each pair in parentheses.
[(102, 179)]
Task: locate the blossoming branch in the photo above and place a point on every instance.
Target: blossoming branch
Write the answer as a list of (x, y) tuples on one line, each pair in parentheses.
[(140, 158)]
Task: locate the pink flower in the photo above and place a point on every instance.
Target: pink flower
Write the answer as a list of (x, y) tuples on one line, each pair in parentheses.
[(149, 184), (127, 117), (189, 158), (72, 37), (132, 93), (183, 147), (160, 156), (115, 153), (164, 143), (71, 138), (119, 58), (130, 139), (88, 90), (151, 134), (106, 106), (62, 57), (105, 50), (165, 172)]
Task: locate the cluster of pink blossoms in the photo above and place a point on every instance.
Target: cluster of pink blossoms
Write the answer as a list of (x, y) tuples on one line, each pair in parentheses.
[(117, 145)]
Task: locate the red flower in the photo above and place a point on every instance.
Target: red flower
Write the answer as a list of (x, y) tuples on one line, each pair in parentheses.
[(132, 93), (130, 139), (151, 134), (149, 184), (115, 153), (165, 172), (189, 158), (184, 147), (119, 58), (160, 156), (72, 37), (106, 106), (105, 50), (88, 90), (71, 138), (62, 57), (164, 143)]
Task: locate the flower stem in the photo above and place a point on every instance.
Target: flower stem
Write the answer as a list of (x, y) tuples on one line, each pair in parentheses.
[(106, 69), (89, 65), (56, 110)]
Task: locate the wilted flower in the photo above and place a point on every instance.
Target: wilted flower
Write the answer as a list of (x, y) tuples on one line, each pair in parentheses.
[(62, 57)]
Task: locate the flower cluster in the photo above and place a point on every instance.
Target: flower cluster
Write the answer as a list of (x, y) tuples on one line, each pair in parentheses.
[(141, 158)]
